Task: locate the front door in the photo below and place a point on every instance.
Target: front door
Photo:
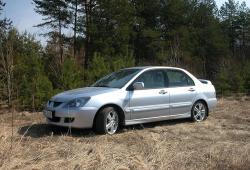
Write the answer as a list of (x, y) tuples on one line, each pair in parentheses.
[(153, 99)]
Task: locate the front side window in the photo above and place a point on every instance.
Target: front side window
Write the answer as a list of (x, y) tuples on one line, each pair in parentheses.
[(177, 78), (152, 79), (117, 79)]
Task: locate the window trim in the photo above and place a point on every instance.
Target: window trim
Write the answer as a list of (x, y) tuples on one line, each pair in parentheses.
[(177, 70), (130, 88)]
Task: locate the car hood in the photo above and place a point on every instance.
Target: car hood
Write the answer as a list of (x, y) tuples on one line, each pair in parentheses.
[(81, 92)]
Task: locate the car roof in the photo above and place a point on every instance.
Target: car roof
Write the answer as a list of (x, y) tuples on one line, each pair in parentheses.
[(152, 67)]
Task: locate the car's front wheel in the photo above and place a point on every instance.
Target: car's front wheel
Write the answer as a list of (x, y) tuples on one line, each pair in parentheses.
[(199, 111), (107, 121)]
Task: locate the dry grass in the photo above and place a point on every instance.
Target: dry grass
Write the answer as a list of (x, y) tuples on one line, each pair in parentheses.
[(220, 142)]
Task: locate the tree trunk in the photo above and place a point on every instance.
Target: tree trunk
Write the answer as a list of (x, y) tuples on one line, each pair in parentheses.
[(7, 65), (60, 40), (87, 36), (9, 88), (33, 103), (75, 25)]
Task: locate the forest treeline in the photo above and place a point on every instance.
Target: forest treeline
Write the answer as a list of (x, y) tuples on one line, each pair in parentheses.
[(87, 39)]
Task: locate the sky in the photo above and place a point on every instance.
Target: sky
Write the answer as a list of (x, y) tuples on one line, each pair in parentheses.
[(24, 18)]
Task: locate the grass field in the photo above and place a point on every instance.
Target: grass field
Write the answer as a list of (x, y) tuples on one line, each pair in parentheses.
[(220, 142)]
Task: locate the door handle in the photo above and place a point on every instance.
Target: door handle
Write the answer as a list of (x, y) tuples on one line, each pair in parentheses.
[(191, 89), (163, 92)]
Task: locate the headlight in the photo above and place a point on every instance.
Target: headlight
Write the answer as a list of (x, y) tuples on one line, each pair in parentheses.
[(78, 102)]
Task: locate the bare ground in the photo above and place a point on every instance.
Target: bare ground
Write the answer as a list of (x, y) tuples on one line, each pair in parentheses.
[(220, 142)]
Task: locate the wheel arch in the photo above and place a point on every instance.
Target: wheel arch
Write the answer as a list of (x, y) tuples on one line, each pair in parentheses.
[(121, 113)]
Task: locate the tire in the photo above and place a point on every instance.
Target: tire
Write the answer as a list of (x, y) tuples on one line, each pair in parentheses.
[(199, 111), (107, 121)]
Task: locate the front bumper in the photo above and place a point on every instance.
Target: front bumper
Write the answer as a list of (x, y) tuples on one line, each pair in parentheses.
[(75, 118)]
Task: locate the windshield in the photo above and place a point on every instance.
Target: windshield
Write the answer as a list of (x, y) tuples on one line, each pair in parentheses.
[(117, 79)]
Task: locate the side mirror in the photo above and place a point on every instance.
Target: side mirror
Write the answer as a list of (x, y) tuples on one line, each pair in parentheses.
[(138, 86)]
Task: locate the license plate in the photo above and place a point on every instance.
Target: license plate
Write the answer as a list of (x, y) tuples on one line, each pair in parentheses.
[(47, 113)]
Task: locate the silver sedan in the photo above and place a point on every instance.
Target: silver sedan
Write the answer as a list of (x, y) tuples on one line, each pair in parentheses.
[(133, 96)]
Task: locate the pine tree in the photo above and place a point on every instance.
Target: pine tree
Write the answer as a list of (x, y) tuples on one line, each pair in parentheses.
[(174, 18), (228, 13), (6, 57), (71, 75), (243, 30), (33, 86), (110, 28), (146, 36), (4, 23), (56, 17), (76, 11), (208, 43)]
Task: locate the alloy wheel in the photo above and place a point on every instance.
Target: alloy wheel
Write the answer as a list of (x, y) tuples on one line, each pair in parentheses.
[(112, 121), (199, 112)]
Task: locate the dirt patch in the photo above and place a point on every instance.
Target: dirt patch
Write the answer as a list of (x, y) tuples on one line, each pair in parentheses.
[(220, 142)]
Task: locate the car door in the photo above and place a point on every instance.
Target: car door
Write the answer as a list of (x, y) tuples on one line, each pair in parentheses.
[(182, 92), (153, 99)]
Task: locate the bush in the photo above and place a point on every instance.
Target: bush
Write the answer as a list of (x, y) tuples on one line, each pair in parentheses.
[(71, 74)]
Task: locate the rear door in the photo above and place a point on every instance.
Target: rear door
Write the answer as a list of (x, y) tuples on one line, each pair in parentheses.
[(182, 91), (153, 100)]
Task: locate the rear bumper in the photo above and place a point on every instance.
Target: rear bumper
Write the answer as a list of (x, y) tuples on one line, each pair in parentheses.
[(211, 103), (78, 118)]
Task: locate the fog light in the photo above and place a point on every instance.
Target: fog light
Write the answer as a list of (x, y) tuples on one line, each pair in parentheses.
[(69, 120)]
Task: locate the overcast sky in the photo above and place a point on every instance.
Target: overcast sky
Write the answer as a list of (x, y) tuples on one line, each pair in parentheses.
[(22, 13)]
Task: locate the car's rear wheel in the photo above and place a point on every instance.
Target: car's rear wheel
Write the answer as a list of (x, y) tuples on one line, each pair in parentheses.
[(199, 111), (107, 121)]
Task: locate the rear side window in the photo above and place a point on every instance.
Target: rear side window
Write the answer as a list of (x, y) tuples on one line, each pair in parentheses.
[(152, 79), (178, 78)]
